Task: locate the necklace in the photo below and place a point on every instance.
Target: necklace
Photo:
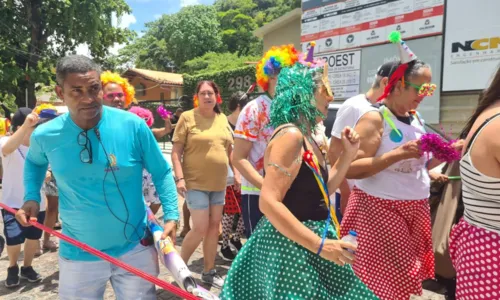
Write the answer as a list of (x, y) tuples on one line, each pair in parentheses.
[(313, 142)]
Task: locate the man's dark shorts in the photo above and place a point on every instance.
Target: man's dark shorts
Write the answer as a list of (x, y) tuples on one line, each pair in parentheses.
[(15, 233)]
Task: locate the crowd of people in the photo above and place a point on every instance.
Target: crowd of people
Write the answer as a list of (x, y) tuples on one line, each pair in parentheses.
[(264, 172)]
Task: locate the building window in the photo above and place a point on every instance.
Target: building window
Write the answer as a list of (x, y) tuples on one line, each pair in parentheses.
[(162, 96), (140, 89)]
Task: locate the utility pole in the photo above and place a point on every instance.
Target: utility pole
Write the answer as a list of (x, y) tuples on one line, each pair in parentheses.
[(27, 78)]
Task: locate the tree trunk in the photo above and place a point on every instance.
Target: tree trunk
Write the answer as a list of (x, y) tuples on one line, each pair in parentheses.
[(26, 86)]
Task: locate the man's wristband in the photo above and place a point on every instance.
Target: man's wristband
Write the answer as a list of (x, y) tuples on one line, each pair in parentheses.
[(178, 179)]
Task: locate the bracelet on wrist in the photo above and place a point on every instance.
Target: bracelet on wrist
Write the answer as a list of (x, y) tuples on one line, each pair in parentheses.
[(178, 179)]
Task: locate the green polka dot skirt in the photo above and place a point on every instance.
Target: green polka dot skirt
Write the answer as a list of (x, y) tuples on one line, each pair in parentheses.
[(270, 266)]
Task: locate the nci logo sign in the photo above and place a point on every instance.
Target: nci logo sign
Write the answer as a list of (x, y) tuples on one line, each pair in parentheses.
[(476, 45)]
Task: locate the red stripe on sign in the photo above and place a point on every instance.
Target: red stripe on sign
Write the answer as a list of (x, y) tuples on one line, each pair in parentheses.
[(329, 33), (309, 37), (374, 24), (350, 29), (428, 12), (400, 19)]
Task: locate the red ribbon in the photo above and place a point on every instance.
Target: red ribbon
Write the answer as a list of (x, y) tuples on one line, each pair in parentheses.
[(163, 284)]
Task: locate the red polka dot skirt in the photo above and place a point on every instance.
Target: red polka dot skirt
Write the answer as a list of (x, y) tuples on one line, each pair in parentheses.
[(394, 252), (233, 201), (475, 253)]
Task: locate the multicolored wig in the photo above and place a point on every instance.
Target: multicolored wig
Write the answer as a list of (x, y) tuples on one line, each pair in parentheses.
[(273, 61), (294, 99), (144, 114), (128, 89)]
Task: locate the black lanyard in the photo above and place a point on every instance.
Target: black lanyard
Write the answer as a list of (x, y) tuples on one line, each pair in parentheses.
[(20, 152)]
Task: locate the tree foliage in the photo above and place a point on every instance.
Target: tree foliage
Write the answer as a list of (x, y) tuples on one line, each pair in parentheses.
[(182, 39), (36, 32), (214, 62), (229, 81), (190, 33)]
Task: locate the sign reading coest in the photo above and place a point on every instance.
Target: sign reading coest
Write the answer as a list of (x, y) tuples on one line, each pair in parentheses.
[(343, 72)]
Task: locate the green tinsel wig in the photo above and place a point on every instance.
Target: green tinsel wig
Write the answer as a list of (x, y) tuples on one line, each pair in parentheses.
[(294, 100)]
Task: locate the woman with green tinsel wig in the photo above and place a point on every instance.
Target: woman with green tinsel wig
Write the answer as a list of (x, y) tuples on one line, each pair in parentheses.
[(295, 252)]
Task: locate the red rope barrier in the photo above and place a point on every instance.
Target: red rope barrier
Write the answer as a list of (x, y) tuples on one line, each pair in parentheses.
[(163, 284)]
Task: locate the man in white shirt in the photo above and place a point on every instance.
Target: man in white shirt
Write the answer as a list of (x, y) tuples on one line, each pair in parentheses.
[(348, 115)]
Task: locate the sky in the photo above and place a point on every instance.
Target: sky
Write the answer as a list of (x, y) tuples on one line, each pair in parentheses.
[(144, 11)]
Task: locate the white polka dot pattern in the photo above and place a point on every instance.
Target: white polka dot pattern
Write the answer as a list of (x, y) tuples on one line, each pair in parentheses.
[(394, 252), (475, 253), (270, 266)]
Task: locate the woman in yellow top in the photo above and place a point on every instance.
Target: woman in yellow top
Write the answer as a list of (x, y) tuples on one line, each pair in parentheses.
[(203, 140)]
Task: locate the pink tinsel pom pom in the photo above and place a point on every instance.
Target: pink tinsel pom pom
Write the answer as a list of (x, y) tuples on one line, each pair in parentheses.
[(164, 113), (144, 114), (441, 149)]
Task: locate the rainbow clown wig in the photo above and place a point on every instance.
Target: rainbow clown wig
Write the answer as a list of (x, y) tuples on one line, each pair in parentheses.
[(128, 89), (273, 61)]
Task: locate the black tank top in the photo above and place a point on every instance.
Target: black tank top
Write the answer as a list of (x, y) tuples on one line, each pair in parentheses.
[(304, 198)]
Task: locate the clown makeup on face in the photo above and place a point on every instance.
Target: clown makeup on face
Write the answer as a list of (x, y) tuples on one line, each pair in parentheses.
[(114, 95)]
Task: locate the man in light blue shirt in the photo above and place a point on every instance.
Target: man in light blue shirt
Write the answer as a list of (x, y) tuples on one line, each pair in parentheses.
[(97, 155)]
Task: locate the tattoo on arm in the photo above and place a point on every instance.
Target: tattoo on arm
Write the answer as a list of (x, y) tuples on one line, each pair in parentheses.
[(285, 130)]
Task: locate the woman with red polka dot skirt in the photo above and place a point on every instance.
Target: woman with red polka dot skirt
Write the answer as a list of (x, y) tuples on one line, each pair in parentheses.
[(389, 207), (475, 240)]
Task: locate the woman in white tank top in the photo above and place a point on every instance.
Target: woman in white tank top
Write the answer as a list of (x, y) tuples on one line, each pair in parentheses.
[(388, 207), (475, 240)]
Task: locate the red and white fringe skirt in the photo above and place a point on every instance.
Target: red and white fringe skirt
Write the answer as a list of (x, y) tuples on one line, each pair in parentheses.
[(475, 253), (394, 252), (233, 201)]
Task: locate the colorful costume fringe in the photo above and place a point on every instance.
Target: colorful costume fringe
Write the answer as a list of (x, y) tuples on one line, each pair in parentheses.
[(475, 253), (270, 266), (394, 252)]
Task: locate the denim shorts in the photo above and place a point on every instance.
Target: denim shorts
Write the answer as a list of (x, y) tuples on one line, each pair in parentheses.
[(15, 233), (202, 200)]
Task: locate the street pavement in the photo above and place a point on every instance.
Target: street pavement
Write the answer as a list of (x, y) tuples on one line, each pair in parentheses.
[(47, 266)]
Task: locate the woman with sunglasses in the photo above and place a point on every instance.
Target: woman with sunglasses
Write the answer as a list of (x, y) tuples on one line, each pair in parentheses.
[(119, 93), (388, 207)]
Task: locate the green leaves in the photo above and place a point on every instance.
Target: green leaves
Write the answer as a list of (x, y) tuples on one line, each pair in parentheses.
[(190, 33), (55, 29), (214, 62), (229, 81)]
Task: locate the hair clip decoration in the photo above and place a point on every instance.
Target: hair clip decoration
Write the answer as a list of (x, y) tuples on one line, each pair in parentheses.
[(195, 101)]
